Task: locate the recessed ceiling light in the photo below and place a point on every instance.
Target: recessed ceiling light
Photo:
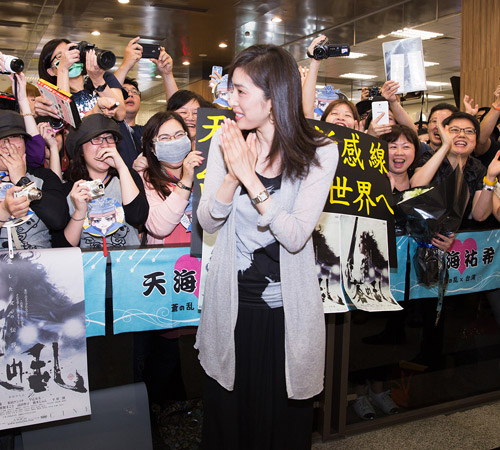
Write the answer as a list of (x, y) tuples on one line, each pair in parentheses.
[(161, 100), (95, 33), (202, 55), (358, 76), (354, 55), (410, 33), (276, 19), (185, 63), (437, 83), (158, 76), (430, 64), (108, 19), (381, 36), (222, 45), (431, 96), (123, 1)]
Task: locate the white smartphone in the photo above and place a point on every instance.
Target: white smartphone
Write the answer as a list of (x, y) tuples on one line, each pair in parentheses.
[(379, 108)]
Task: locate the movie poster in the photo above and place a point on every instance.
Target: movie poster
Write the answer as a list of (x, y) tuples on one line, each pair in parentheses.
[(365, 265), (327, 248), (43, 358)]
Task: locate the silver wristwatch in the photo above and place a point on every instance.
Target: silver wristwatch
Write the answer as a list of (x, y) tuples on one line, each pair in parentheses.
[(262, 197)]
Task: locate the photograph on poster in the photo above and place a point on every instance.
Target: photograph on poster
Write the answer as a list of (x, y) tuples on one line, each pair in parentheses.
[(43, 359), (364, 262), (326, 242)]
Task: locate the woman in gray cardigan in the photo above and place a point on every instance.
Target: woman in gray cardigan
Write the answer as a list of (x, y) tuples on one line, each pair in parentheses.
[(261, 334)]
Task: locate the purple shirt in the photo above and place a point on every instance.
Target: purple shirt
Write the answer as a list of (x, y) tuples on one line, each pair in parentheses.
[(35, 151)]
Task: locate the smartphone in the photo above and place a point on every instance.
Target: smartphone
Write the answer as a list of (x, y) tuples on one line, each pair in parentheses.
[(150, 50), (217, 69), (379, 108)]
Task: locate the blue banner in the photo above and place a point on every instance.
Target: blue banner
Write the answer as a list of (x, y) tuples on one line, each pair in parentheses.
[(154, 289), (94, 275)]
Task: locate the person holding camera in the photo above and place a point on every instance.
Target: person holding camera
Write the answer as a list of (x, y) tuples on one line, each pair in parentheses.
[(106, 198), (32, 201)]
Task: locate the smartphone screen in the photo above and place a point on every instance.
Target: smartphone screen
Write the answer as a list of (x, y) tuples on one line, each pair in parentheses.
[(379, 108)]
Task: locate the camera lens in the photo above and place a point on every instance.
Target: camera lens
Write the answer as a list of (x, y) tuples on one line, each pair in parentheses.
[(105, 59), (56, 124), (319, 52)]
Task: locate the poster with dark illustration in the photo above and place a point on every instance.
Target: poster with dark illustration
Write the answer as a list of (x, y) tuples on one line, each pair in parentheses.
[(208, 121), (360, 186), (365, 268), (326, 242), (43, 359)]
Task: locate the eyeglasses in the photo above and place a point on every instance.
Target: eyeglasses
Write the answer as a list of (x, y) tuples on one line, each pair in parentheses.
[(168, 137), (132, 92), (99, 140), (467, 131), (11, 139)]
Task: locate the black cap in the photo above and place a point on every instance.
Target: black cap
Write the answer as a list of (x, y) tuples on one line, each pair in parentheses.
[(12, 123), (92, 125)]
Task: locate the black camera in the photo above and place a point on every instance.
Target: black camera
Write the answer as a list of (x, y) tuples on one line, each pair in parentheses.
[(325, 50), (374, 92), (105, 58)]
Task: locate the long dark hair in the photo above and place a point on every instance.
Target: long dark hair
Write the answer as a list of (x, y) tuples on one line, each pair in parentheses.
[(46, 57), (77, 168), (154, 174), (275, 71)]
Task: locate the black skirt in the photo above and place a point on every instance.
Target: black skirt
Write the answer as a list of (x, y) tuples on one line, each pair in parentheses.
[(257, 414)]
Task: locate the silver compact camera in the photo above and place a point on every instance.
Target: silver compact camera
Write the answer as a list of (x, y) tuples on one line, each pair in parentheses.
[(96, 188), (30, 191)]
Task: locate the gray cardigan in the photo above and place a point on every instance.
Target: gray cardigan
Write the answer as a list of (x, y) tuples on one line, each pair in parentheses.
[(291, 220)]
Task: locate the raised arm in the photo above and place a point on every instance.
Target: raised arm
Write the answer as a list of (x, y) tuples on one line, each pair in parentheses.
[(165, 66), (388, 91), (309, 84), (488, 123), (132, 55)]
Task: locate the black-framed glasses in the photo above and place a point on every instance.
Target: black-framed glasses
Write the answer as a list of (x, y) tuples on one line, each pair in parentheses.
[(168, 137), (469, 131), (99, 140), (132, 92)]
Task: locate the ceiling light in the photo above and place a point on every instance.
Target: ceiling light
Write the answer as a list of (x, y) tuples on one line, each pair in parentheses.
[(431, 96), (158, 76), (161, 100), (381, 36), (222, 45), (437, 83), (95, 33), (108, 19), (358, 76), (354, 55), (202, 55), (123, 1), (185, 63), (276, 19), (410, 33), (430, 64)]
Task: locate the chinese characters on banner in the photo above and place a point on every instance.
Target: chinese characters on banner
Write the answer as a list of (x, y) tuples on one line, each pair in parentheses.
[(155, 289), (43, 356), (208, 121)]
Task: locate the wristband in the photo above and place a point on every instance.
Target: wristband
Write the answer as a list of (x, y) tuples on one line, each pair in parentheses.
[(77, 220), (487, 187), (27, 114), (183, 186), (490, 183), (496, 108)]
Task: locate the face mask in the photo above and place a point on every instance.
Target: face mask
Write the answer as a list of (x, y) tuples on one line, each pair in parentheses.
[(75, 70), (173, 151)]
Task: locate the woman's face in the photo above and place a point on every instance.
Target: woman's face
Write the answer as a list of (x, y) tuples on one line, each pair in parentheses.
[(90, 151), (56, 55), (341, 115), (189, 112), (167, 131), (463, 136), (401, 155), (11, 144), (251, 108)]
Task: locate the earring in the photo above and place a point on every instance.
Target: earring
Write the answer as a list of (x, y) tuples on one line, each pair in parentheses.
[(271, 120)]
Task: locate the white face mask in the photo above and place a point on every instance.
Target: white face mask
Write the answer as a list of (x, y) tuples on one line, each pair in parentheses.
[(173, 151)]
